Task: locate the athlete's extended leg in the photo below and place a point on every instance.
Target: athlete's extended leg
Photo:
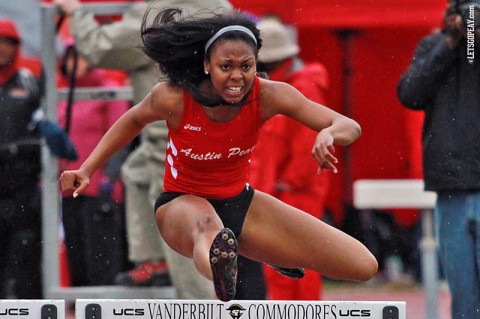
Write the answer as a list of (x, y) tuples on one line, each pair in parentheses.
[(190, 225), (279, 234)]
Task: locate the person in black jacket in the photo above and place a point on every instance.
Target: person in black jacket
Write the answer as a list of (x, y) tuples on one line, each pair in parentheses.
[(20, 203), (443, 81)]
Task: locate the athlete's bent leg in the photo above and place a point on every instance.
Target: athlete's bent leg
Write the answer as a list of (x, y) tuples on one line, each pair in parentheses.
[(279, 234)]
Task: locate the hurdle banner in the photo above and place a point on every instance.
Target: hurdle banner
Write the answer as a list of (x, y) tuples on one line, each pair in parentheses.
[(236, 309), (32, 309)]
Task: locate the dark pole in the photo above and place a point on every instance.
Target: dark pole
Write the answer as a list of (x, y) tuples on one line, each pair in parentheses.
[(347, 38)]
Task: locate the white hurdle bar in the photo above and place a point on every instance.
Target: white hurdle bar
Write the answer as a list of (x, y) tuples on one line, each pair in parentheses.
[(236, 309), (407, 193), (32, 309)]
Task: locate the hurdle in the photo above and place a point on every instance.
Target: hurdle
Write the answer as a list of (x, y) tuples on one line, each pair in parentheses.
[(236, 309), (407, 193), (32, 309)]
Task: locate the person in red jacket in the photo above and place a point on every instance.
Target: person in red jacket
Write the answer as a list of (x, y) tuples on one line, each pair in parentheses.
[(288, 174)]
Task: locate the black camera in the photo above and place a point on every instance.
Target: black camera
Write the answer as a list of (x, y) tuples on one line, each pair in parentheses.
[(470, 13)]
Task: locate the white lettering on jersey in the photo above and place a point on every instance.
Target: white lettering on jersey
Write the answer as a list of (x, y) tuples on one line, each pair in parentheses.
[(201, 157), (188, 152), (236, 151), (174, 149), (173, 170)]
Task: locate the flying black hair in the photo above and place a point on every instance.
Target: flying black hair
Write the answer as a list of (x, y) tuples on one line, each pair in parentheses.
[(177, 44)]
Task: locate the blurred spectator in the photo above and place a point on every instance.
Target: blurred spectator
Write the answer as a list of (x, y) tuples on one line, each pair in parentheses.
[(94, 222), (26, 14), (281, 162), (443, 81), (27, 17), (20, 203)]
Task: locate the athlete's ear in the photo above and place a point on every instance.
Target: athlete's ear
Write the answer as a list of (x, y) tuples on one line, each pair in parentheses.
[(206, 66)]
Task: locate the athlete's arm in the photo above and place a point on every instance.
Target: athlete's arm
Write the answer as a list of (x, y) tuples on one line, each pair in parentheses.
[(333, 127), (158, 105)]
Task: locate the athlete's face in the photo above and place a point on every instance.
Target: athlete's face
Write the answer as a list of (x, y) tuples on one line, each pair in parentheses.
[(232, 69)]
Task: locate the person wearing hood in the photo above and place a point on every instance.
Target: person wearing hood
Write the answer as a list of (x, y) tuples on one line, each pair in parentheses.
[(93, 225), (443, 82), (20, 166), (288, 174)]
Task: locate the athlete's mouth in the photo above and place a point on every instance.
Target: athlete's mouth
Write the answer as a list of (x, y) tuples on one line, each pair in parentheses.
[(234, 88)]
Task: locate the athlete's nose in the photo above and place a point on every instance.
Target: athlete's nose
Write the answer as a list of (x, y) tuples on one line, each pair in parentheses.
[(236, 75)]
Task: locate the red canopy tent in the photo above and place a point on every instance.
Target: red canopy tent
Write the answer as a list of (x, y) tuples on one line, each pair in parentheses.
[(349, 13), (366, 46)]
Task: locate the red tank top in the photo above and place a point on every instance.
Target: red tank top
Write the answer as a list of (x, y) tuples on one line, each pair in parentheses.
[(211, 159)]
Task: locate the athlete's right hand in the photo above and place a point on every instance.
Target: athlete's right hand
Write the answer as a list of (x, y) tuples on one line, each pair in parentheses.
[(76, 181)]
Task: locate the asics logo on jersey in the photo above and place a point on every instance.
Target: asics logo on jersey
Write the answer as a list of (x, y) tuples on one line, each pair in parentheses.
[(192, 128)]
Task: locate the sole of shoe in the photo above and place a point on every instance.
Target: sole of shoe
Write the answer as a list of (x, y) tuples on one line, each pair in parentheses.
[(223, 262)]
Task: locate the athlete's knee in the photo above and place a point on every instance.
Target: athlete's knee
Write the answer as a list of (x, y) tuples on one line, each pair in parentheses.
[(207, 223), (204, 215)]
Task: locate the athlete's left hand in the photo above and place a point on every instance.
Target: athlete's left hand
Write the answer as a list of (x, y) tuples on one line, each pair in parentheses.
[(323, 151)]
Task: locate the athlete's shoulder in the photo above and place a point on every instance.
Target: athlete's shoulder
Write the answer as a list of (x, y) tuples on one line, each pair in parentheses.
[(165, 92), (275, 91), (167, 100)]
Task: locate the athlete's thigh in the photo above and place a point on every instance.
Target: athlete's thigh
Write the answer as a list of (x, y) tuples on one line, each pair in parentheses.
[(181, 219), (275, 231), (279, 234)]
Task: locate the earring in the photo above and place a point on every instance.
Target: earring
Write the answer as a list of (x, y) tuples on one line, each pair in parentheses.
[(206, 72)]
